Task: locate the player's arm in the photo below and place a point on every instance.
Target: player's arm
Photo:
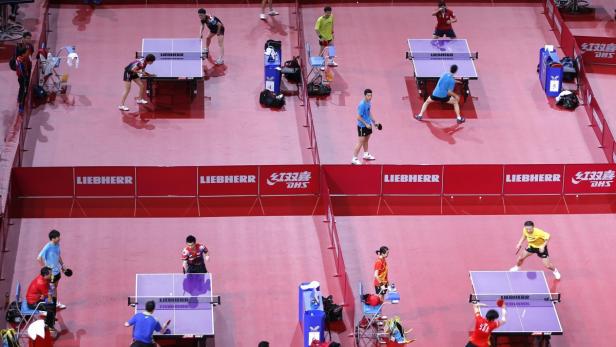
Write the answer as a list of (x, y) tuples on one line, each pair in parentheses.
[(317, 26), (130, 322), (519, 244), (437, 11), (361, 119), (476, 309), (453, 19), (164, 327), (503, 315), (61, 262), (201, 31), (206, 253)]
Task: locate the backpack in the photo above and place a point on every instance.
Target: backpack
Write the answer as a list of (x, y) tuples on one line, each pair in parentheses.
[(568, 100), (570, 69), (9, 338), (318, 89), (267, 98), (13, 63), (276, 45), (333, 312), (292, 70), (12, 313)]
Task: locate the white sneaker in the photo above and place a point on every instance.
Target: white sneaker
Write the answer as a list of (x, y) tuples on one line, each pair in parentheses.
[(556, 274), (262, 16), (515, 268), (332, 63), (206, 51), (123, 108), (60, 306), (219, 61), (355, 161), (273, 13), (141, 101), (368, 156)]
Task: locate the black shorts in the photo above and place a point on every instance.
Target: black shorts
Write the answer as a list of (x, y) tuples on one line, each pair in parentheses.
[(361, 131), (142, 344), (436, 98), (196, 269), (129, 75), (448, 33), (56, 278), (544, 255), (222, 32)]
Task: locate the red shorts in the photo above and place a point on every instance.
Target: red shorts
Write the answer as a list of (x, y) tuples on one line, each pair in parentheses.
[(325, 43)]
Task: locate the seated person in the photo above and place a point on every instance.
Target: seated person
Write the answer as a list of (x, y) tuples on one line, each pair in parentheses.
[(396, 331), (40, 297)]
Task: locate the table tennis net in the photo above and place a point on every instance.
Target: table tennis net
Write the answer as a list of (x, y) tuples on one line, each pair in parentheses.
[(174, 302), (194, 55), (515, 297), (442, 55)]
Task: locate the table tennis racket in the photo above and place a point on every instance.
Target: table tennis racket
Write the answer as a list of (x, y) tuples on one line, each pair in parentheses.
[(379, 126), (518, 250), (500, 302)]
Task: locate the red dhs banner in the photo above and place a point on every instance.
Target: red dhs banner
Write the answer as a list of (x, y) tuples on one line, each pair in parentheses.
[(597, 50), (289, 179), (589, 178), (105, 181), (534, 179), (228, 180), (413, 179)]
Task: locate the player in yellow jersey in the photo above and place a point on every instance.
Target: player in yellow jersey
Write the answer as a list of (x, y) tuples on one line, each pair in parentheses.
[(325, 30), (537, 241)]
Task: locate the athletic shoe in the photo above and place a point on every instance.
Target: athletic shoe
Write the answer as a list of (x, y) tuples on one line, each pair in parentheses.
[(219, 61), (515, 268), (273, 13), (355, 161), (368, 156), (60, 306), (461, 120), (419, 117), (123, 108), (141, 101), (262, 16), (556, 274), (332, 64)]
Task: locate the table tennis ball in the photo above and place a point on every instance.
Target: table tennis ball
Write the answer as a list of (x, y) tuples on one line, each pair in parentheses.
[(170, 294)]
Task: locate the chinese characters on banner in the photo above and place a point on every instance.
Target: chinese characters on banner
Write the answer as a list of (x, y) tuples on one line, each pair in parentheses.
[(597, 50)]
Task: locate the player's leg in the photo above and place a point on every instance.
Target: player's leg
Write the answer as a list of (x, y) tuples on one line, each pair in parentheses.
[(358, 146), (456, 107), (208, 40), (262, 15), (367, 155), (437, 34), (424, 107), (545, 259), (271, 9), (330, 58), (525, 254), (221, 44), (450, 34), (140, 99), (127, 84)]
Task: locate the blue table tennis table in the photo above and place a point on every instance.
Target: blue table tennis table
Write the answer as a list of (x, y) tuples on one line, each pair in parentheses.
[(530, 306), (432, 58)]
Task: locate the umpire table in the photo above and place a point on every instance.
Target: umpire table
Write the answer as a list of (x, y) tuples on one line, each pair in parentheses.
[(185, 299), (531, 309), (431, 58)]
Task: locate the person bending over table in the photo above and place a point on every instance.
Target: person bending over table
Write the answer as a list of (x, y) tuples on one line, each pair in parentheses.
[(133, 72), (216, 29), (40, 296), (381, 270), (484, 326), (537, 241), (144, 325), (443, 92), (444, 19), (194, 256)]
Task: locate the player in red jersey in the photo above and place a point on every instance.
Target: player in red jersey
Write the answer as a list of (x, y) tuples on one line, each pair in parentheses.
[(484, 326), (194, 256), (444, 19)]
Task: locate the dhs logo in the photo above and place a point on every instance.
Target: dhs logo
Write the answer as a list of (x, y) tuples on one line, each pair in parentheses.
[(293, 180), (596, 178)]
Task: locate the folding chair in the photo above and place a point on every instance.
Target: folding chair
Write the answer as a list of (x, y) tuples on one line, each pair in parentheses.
[(26, 313), (317, 63)]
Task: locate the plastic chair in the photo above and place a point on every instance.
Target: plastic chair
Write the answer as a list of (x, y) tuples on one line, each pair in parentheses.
[(26, 313), (317, 63)]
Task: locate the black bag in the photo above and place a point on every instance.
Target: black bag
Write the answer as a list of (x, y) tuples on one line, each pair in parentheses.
[(292, 70), (13, 63), (267, 98), (319, 89), (570, 69), (567, 99), (333, 312), (12, 313)]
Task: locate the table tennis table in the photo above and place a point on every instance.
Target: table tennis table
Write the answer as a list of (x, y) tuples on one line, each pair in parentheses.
[(530, 306), (432, 58), (176, 59), (185, 299)]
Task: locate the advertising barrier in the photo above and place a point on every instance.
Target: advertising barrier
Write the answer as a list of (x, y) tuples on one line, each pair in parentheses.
[(597, 50)]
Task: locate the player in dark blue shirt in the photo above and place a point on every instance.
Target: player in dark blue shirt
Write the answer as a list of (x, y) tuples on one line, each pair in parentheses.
[(216, 28), (144, 325)]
